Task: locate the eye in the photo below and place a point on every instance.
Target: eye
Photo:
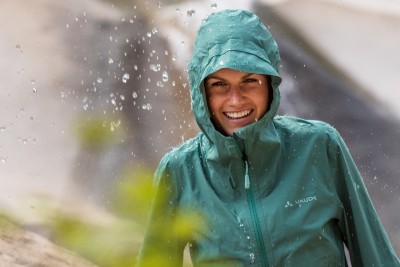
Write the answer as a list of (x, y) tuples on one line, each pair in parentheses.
[(250, 80), (217, 84)]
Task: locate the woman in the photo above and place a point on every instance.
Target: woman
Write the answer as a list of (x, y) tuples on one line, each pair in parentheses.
[(269, 190)]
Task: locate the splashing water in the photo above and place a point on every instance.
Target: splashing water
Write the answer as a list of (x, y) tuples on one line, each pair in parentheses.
[(155, 67), (165, 76), (191, 12), (125, 77)]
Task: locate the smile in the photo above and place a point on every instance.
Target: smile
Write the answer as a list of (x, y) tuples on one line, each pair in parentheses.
[(238, 115)]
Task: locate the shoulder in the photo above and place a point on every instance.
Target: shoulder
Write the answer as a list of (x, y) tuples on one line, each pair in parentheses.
[(182, 153), (305, 128)]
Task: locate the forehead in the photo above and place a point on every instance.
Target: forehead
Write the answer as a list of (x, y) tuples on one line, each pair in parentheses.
[(228, 73)]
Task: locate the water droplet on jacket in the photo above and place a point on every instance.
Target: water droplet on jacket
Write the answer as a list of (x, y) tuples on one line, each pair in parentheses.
[(110, 61), (125, 77), (99, 80), (148, 34), (122, 97), (134, 94), (252, 258)]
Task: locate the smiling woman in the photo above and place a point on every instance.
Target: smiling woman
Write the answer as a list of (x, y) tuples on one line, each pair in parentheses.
[(268, 190), (236, 99)]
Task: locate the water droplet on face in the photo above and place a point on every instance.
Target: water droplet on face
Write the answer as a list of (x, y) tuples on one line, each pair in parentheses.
[(125, 77), (214, 5)]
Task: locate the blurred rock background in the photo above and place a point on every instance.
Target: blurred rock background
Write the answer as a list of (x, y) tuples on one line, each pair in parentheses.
[(94, 89)]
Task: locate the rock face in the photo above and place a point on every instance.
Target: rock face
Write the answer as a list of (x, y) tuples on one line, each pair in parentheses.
[(23, 248)]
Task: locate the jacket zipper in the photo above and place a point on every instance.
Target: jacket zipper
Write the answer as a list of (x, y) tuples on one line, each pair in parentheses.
[(254, 214)]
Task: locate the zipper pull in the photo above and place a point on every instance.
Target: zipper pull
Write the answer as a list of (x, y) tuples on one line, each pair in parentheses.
[(246, 175)]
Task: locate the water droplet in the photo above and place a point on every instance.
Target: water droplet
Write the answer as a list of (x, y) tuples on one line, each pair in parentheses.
[(191, 12), (134, 95), (159, 4), (2, 128), (160, 84), (110, 61), (125, 77), (154, 30), (155, 68), (99, 80), (34, 90), (122, 97), (165, 76), (252, 258), (146, 106), (148, 34), (3, 160), (214, 5), (135, 67)]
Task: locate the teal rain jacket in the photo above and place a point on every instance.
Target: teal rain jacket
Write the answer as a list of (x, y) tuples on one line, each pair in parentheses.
[(280, 192)]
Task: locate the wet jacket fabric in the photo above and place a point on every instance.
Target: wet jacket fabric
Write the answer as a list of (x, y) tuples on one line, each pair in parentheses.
[(280, 192)]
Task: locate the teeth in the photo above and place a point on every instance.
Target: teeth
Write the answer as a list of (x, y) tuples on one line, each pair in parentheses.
[(236, 115)]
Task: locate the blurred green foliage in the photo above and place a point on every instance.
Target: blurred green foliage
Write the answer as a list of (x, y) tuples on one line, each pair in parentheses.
[(117, 244), (97, 131)]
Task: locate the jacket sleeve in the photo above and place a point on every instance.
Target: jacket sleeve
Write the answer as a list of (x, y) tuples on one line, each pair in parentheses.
[(362, 230), (160, 246)]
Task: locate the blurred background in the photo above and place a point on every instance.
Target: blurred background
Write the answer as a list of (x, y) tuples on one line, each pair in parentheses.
[(92, 90)]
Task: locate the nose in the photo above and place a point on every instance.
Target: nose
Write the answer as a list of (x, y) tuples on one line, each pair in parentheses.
[(235, 94)]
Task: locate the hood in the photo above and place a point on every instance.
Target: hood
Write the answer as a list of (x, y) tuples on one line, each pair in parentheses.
[(238, 40)]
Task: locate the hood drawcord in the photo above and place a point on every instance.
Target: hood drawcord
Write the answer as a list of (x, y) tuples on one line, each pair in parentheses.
[(246, 173)]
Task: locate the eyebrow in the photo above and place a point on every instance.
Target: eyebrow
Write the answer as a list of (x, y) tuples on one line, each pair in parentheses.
[(213, 76)]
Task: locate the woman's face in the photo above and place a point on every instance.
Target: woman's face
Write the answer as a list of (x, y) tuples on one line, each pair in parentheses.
[(236, 99)]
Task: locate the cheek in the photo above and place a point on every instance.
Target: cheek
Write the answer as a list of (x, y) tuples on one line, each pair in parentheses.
[(212, 104)]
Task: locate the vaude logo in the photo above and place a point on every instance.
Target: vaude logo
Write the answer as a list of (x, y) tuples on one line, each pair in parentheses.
[(301, 201)]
